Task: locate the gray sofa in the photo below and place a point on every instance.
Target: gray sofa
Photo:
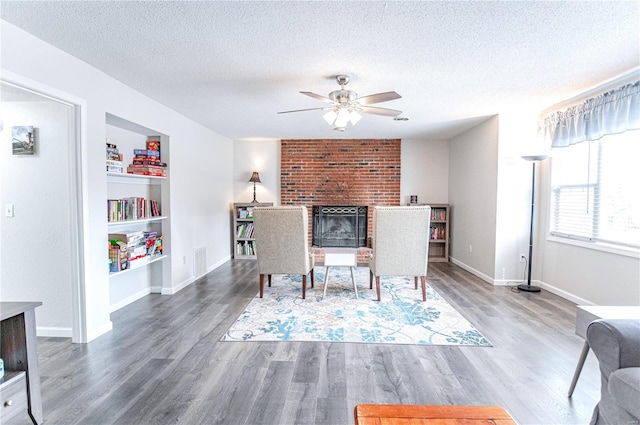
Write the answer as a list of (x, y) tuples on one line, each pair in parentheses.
[(616, 344)]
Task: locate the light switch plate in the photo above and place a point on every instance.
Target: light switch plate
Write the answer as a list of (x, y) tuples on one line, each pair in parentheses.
[(8, 210)]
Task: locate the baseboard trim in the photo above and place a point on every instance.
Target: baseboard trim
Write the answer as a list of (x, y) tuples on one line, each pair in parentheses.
[(564, 294), (95, 333), (174, 289), (131, 298), (502, 282), (53, 332), (473, 271)]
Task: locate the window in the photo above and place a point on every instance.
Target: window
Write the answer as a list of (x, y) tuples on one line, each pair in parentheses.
[(595, 190)]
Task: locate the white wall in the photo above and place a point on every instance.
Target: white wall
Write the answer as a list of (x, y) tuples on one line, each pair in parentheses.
[(425, 171), (583, 275), (473, 185), (517, 137), (201, 164), (36, 249), (262, 156), (425, 168)]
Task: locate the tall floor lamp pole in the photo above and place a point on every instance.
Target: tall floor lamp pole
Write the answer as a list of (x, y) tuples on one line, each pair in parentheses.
[(533, 158)]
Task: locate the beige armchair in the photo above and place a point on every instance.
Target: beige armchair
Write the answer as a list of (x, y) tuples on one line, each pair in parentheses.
[(400, 244), (282, 243)]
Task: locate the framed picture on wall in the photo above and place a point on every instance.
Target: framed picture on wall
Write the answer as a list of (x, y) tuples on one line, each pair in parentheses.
[(23, 140)]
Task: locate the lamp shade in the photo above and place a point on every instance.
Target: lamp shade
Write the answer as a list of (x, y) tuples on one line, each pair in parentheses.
[(538, 157), (255, 178)]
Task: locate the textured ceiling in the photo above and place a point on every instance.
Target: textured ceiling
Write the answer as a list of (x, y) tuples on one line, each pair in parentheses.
[(232, 65)]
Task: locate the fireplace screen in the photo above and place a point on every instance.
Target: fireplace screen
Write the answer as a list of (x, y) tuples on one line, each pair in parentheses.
[(339, 226)]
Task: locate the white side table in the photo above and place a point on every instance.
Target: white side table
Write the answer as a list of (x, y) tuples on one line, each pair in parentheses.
[(340, 257), (586, 314)]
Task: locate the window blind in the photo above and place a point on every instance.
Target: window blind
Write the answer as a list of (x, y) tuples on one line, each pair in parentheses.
[(595, 190)]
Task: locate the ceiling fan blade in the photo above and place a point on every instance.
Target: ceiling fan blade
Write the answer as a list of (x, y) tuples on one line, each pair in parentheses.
[(317, 96), (378, 97), (310, 109), (380, 111)]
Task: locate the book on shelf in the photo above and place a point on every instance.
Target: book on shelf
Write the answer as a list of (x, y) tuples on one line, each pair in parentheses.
[(245, 231), (146, 162), (132, 209), (437, 233), (438, 214), (126, 250), (146, 170), (246, 248), (113, 154), (153, 144), (146, 153), (114, 159)]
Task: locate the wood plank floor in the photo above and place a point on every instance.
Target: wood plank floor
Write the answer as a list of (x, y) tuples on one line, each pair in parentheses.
[(164, 362)]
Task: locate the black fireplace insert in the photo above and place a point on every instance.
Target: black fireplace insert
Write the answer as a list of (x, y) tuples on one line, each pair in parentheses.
[(339, 226)]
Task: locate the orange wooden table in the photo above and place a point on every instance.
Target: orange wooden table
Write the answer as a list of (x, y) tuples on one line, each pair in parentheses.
[(401, 414)]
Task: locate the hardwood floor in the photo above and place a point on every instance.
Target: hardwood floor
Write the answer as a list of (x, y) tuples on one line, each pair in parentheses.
[(164, 362)]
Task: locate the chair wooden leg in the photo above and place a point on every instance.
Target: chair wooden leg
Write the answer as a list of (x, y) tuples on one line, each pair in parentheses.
[(424, 287), (416, 281), (304, 286), (312, 278), (269, 278), (378, 286), (370, 279), (261, 285)]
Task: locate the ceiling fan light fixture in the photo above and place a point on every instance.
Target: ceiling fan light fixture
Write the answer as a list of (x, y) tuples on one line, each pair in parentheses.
[(330, 117), (354, 117), (346, 107), (343, 117)]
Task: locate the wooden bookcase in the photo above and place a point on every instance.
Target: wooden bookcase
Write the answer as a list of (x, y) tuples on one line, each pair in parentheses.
[(244, 244), (439, 233)]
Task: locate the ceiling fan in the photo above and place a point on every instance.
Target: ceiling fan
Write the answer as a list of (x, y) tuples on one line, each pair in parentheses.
[(346, 106)]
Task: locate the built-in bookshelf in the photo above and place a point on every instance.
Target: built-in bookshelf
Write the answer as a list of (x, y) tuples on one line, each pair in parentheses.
[(139, 214), (244, 243), (136, 211), (439, 233)]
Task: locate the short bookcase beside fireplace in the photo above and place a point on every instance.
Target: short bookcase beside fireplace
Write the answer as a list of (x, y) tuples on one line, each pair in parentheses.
[(244, 243)]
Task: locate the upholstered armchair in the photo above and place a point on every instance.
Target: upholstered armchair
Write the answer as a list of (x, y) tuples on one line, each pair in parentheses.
[(400, 244), (282, 244), (616, 344)]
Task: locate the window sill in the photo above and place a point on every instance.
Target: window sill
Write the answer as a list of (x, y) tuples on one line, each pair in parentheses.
[(597, 246)]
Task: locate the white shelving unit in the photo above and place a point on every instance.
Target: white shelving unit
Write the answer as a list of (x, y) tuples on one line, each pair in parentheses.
[(141, 221), (148, 274), (139, 263)]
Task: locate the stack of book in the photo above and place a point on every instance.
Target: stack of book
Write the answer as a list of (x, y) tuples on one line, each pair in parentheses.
[(147, 162), (134, 242), (117, 256), (154, 244), (114, 159)]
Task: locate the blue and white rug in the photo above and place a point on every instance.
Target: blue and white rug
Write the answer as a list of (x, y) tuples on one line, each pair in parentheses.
[(399, 318)]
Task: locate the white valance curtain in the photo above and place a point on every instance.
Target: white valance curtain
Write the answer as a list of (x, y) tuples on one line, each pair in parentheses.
[(610, 113)]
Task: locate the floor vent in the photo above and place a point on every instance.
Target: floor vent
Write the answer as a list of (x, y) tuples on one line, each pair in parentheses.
[(200, 261)]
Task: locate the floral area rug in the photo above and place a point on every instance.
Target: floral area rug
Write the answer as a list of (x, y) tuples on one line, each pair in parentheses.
[(399, 318)]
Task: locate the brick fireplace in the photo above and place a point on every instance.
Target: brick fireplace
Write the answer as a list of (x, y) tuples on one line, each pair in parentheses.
[(363, 172)]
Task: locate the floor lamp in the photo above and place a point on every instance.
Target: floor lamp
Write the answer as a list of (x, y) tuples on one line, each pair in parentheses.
[(533, 158)]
